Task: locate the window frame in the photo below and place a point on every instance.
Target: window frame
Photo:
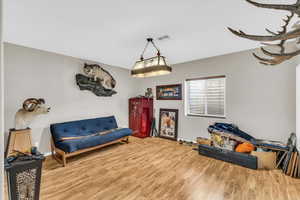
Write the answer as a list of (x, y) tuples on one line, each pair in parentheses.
[(186, 102)]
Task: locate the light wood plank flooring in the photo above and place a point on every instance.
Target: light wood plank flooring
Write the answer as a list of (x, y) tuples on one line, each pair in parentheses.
[(159, 169)]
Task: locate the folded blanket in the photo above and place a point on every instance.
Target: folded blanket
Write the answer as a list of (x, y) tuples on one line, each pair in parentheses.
[(87, 136)]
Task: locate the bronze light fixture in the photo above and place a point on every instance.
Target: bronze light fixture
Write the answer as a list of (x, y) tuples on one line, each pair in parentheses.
[(155, 66)]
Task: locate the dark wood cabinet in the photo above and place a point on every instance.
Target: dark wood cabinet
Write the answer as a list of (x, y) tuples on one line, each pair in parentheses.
[(140, 116)]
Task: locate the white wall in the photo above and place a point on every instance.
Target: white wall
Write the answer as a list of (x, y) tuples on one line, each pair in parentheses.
[(1, 108), (35, 73), (298, 105), (259, 99)]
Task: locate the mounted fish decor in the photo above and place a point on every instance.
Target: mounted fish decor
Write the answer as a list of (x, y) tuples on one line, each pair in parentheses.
[(97, 80)]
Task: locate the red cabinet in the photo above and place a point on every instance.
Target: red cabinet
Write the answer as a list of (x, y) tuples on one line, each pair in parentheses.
[(140, 116)]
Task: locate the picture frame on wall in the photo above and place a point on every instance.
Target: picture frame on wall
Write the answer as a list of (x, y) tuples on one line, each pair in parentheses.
[(169, 92), (168, 123)]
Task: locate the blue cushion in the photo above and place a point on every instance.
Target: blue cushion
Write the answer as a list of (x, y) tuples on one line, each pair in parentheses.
[(74, 145), (230, 128), (82, 127)]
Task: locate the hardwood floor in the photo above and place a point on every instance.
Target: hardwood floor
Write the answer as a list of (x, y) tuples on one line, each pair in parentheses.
[(159, 169)]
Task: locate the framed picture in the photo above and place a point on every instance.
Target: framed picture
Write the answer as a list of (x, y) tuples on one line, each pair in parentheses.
[(169, 92), (168, 123)]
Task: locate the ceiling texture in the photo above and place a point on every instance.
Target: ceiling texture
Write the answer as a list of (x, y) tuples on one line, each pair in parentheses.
[(114, 32)]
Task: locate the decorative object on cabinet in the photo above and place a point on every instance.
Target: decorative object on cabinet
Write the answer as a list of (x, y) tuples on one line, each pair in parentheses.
[(169, 92), (149, 93), (31, 108), (168, 123), (19, 139), (97, 80), (154, 66), (140, 116)]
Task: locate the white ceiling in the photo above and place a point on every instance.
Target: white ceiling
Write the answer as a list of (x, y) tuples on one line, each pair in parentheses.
[(114, 31)]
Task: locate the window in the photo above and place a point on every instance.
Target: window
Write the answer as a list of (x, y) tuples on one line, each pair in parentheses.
[(206, 96)]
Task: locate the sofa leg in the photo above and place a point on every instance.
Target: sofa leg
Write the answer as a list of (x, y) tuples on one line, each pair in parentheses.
[(126, 140), (58, 158), (52, 154), (64, 159), (52, 150)]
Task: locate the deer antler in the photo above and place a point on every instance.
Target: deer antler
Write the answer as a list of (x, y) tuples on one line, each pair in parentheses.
[(283, 35), (276, 57), (291, 8), (284, 30)]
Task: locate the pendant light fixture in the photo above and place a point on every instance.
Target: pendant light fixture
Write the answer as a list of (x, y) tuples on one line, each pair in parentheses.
[(149, 67)]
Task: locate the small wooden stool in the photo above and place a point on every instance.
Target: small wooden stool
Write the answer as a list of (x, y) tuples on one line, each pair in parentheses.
[(18, 140)]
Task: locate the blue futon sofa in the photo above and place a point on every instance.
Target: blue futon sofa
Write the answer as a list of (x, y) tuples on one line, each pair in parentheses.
[(75, 137)]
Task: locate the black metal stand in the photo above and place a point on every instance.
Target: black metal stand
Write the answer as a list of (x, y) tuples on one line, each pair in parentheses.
[(24, 177), (153, 132)]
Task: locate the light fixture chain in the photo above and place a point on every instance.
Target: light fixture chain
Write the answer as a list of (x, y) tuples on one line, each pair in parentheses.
[(147, 44), (155, 46), (142, 55)]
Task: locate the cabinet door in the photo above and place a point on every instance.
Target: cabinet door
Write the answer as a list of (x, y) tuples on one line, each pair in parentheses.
[(145, 122), (147, 115), (134, 115)]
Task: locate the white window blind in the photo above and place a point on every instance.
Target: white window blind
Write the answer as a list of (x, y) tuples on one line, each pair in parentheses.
[(206, 96)]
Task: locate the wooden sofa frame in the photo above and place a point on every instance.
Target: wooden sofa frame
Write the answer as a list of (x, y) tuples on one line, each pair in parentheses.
[(61, 157)]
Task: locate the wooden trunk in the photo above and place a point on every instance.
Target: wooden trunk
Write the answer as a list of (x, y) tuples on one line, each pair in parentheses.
[(19, 140)]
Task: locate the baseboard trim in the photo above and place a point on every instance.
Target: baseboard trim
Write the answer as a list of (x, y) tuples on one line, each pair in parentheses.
[(186, 140), (46, 154)]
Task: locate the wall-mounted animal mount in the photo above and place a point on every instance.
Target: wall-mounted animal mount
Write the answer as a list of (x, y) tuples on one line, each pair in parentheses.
[(97, 80), (32, 107), (282, 36)]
